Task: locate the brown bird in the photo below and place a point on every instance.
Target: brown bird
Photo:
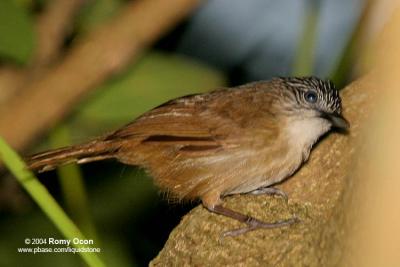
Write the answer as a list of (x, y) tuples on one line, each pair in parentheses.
[(228, 141)]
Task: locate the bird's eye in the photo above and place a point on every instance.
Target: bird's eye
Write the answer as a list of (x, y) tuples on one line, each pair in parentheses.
[(311, 97)]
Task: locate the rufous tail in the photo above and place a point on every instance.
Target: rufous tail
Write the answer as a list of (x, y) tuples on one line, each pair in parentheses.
[(92, 151)]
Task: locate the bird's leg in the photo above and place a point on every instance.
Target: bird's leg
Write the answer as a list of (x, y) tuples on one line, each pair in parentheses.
[(270, 191), (252, 223)]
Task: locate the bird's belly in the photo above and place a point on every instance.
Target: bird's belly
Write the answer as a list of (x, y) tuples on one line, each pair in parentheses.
[(269, 174)]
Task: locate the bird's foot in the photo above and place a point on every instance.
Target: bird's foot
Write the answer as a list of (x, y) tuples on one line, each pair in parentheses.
[(252, 223)]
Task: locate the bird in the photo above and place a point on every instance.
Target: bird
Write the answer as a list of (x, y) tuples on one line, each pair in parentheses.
[(238, 140)]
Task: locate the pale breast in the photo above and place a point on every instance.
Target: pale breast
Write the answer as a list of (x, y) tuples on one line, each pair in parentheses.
[(300, 135)]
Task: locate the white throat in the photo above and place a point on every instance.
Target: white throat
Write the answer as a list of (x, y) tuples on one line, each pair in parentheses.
[(303, 133)]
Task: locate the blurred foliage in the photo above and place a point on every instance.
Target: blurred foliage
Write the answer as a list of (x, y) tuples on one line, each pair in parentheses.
[(16, 31), (305, 54), (24, 3), (351, 53), (95, 12)]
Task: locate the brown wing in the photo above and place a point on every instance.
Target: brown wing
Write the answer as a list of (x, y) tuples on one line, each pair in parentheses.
[(204, 122), (187, 123)]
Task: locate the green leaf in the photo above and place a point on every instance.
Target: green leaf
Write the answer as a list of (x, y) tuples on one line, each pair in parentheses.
[(16, 32)]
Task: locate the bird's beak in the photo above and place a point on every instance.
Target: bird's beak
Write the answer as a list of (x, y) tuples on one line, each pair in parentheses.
[(337, 120)]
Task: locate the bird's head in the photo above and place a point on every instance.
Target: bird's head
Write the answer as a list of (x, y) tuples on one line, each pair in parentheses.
[(311, 97)]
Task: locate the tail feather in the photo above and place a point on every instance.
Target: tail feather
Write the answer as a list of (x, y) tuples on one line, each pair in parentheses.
[(93, 151)]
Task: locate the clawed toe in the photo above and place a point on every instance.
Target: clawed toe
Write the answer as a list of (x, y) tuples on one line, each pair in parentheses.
[(254, 224)]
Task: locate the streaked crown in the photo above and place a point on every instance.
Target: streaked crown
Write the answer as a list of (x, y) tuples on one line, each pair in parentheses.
[(314, 94)]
